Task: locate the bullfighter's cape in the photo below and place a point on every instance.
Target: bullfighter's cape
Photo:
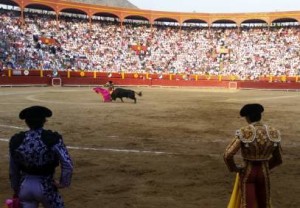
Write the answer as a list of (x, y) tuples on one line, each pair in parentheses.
[(235, 199), (104, 92)]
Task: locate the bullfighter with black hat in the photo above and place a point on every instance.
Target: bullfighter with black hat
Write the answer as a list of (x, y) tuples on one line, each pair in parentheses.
[(34, 156), (261, 151)]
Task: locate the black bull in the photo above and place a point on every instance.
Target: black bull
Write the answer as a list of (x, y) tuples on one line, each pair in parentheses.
[(120, 93)]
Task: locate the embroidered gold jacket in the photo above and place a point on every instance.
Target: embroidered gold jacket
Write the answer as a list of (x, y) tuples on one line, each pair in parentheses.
[(258, 142)]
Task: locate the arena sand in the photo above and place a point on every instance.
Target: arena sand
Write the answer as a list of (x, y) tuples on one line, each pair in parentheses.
[(163, 152)]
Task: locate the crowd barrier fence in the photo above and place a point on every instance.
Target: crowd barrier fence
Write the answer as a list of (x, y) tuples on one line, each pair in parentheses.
[(82, 78)]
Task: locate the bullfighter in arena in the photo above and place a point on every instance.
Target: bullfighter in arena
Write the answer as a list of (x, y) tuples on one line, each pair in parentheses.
[(261, 152), (34, 156), (110, 86)]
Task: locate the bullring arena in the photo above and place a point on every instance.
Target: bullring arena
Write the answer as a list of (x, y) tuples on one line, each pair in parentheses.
[(195, 71), (164, 151)]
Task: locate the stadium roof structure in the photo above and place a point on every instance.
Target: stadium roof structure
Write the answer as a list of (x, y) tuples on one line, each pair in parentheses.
[(152, 17)]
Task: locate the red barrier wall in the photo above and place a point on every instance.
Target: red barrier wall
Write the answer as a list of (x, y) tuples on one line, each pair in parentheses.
[(91, 78), (22, 80), (269, 85)]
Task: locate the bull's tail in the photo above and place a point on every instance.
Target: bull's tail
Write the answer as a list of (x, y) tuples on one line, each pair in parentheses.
[(139, 93)]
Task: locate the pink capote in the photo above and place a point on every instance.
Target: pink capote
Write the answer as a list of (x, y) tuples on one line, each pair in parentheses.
[(104, 92)]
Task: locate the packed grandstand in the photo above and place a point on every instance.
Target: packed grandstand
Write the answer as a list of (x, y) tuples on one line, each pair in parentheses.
[(74, 42)]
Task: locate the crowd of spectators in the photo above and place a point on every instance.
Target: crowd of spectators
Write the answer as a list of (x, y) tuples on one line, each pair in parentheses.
[(75, 44)]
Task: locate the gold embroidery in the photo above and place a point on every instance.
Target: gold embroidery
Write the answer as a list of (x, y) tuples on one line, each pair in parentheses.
[(258, 141)]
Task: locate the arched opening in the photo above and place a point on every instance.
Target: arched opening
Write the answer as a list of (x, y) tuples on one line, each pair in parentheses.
[(134, 19), (254, 23), (194, 23), (39, 9), (73, 13), (105, 17), (224, 24), (9, 5), (164, 21), (284, 22)]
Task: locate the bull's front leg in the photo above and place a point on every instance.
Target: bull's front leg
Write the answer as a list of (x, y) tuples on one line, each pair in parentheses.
[(122, 100)]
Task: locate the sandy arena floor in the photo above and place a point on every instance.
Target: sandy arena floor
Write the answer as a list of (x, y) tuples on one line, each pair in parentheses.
[(163, 152)]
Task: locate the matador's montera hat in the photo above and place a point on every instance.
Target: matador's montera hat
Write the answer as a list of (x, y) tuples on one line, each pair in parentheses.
[(251, 109), (34, 112)]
